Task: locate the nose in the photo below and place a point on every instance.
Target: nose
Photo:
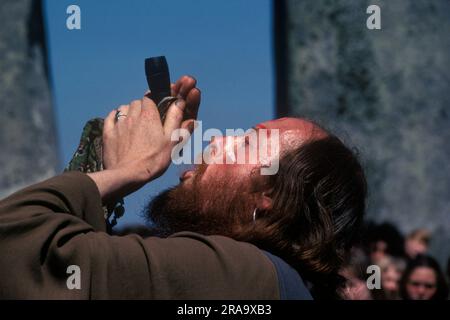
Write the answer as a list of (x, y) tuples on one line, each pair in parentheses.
[(420, 292), (214, 145), (221, 142), (223, 148), (218, 139)]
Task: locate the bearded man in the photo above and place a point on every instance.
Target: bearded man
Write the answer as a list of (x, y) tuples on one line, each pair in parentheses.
[(225, 232)]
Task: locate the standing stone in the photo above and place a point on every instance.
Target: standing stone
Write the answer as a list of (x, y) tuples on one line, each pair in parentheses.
[(386, 92), (27, 130)]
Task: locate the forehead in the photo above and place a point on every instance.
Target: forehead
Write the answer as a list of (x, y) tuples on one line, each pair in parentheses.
[(423, 272), (286, 124), (294, 128)]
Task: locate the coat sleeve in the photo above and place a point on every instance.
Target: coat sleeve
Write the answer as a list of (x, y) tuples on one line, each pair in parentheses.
[(48, 228)]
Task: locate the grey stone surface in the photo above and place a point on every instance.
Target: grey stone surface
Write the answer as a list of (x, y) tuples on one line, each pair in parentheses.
[(386, 92), (27, 131)]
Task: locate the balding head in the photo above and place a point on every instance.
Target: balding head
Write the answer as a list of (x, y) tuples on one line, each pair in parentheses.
[(294, 131)]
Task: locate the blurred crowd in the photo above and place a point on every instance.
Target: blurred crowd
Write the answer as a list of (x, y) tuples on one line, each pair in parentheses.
[(408, 271)]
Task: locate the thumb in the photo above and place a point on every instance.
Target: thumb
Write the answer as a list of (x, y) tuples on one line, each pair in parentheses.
[(174, 116)]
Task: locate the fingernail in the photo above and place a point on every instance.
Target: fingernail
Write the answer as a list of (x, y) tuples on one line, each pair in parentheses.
[(191, 126), (179, 103)]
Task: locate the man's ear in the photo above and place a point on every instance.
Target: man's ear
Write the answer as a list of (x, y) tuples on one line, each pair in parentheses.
[(263, 201)]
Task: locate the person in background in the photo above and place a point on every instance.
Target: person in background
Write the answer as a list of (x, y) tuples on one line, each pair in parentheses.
[(423, 280), (381, 240), (354, 273), (417, 242), (391, 273)]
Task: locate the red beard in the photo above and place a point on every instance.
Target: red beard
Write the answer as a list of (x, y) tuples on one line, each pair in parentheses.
[(218, 206)]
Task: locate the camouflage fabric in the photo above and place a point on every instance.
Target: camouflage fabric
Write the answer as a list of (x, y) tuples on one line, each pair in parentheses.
[(89, 156)]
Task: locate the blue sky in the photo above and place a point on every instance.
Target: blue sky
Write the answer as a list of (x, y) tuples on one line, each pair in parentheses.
[(226, 45)]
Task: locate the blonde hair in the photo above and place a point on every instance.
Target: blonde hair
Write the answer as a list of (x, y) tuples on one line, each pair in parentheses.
[(421, 235)]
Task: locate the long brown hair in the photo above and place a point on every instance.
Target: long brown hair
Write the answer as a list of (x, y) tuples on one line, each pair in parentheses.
[(428, 262), (318, 198)]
